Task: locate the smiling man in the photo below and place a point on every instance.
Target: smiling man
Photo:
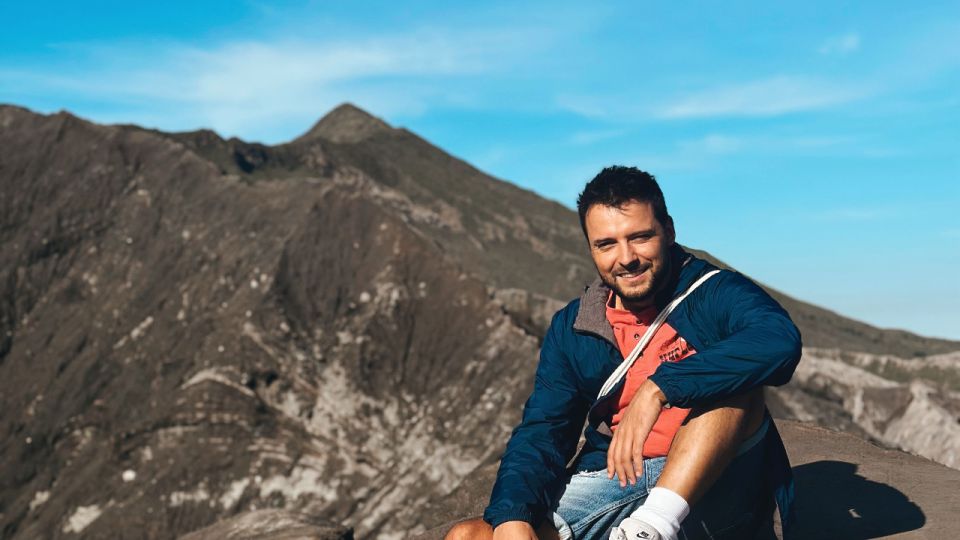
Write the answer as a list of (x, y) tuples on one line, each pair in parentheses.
[(664, 357)]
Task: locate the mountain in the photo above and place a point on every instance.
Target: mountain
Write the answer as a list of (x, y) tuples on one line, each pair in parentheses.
[(343, 326)]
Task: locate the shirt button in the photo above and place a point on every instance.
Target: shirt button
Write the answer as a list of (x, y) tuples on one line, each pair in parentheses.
[(636, 336)]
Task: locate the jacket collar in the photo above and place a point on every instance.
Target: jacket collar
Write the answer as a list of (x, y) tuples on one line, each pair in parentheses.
[(592, 313)]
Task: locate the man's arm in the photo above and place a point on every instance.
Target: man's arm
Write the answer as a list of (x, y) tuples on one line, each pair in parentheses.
[(532, 467), (625, 454), (755, 344)]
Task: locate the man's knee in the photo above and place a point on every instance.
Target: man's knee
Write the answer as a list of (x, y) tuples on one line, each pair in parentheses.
[(470, 529), (741, 403), (744, 410)]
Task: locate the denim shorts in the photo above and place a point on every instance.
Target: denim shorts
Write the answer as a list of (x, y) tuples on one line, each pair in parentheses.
[(738, 506)]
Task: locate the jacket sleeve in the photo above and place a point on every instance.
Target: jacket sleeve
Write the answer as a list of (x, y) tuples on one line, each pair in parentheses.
[(532, 468), (754, 343)]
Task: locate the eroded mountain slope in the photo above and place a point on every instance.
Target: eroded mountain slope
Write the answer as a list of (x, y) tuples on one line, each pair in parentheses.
[(345, 325)]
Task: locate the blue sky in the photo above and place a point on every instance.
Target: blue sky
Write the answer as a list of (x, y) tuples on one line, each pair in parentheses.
[(813, 145)]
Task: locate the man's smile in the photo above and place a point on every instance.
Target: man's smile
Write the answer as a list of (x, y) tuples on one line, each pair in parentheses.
[(632, 275)]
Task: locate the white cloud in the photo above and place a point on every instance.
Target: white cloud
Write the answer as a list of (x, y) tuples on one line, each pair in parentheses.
[(706, 151), (820, 141), (259, 87), (714, 144), (595, 106), (855, 214), (845, 44), (692, 154), (766, 97), (773, 96), (493, 156)]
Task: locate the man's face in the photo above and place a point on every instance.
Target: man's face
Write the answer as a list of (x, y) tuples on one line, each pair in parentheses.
[(630, 249)]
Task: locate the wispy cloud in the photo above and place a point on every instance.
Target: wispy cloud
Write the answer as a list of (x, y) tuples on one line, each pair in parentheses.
[(243, 87), (705, 151), (844, 44), (493, 156), (692, 154), (854, 214), (766, 97), (713, 144), (595, 106)]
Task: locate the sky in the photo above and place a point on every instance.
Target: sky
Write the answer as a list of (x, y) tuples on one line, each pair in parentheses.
[(813, 145)]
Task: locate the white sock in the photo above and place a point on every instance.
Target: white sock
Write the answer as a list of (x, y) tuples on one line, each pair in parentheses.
[(664, 510)]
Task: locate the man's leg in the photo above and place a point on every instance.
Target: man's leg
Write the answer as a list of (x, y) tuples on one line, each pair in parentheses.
[(703, 447), (700, 454), (707, 442), (473, 528), (478, 529)]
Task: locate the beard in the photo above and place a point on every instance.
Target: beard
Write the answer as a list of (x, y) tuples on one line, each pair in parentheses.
[(644, 294)]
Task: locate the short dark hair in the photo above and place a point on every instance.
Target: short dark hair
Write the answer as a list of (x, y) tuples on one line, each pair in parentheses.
[(616, 186)]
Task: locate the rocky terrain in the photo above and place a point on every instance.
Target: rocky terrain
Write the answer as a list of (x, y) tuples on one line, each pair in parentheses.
[(847, 489), (343, 327), (911, 404), (271, 524)]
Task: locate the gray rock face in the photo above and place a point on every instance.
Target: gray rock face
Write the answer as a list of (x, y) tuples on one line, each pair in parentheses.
[(910, 404), (845, 488), (271, 525), (184, 345), (194, 328)]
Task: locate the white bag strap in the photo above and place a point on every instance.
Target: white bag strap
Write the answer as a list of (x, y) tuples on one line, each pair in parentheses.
[(621, 370)]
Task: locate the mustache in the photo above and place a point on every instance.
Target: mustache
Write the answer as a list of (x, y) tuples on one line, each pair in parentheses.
[(635, 268)]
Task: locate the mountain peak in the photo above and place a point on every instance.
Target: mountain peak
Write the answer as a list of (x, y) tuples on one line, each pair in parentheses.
[(346, 123)]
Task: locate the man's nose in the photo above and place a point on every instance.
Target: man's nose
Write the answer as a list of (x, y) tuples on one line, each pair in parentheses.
[(625, 256)]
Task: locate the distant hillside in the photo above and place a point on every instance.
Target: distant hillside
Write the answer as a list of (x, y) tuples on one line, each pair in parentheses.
[(502, 233), (344, 326)]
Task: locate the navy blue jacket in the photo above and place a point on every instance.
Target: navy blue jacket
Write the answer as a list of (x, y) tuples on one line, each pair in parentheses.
[(743, 338)]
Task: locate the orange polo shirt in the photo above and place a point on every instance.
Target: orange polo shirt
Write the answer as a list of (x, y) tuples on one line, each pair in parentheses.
[(666, 346)]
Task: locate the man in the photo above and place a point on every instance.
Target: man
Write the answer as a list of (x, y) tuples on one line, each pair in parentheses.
[(664, 357)]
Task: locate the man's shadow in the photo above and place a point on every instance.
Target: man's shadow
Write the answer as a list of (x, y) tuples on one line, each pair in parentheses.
[(833, 501)]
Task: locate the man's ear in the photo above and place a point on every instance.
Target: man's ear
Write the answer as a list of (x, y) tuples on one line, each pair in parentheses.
[(669, 231)]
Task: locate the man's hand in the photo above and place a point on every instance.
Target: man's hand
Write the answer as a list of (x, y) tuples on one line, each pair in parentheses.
[(514, 530), (625, 456)]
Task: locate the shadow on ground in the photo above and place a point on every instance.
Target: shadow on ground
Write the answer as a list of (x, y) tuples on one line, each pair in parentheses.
[(834, 501)]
